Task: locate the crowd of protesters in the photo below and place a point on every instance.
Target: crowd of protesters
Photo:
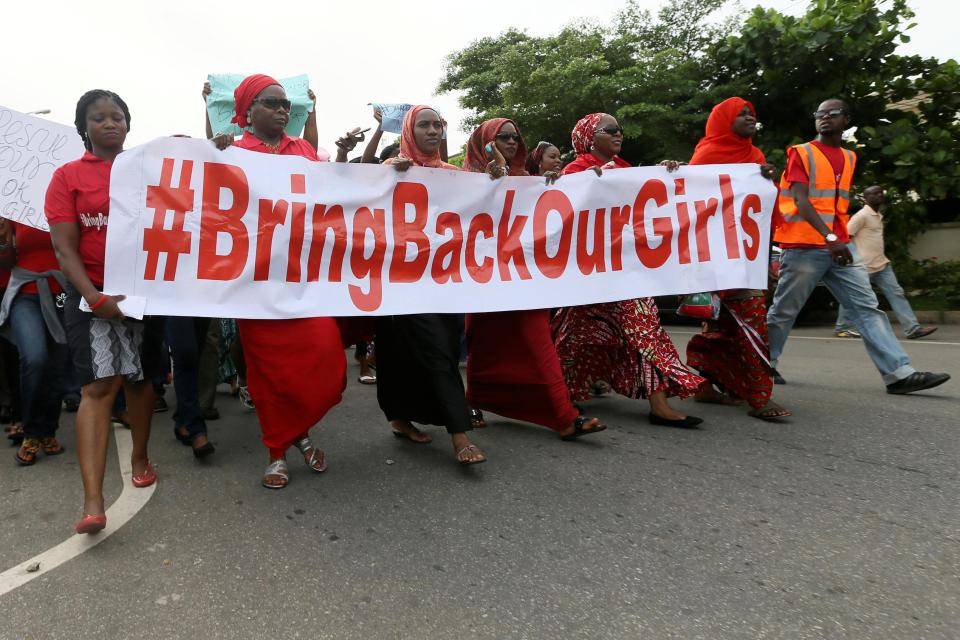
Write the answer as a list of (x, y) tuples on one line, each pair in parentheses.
[(531, 365)]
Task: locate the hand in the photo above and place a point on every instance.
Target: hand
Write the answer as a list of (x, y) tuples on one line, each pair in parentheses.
[(598, 171), (551, 176), (350, 139), (496, 168), (378, 115), (671, 165), (109, 309), (222, 140), (313, 97), (402, 163), (6, 233), (206, 90), (840, 253), (768, 171)]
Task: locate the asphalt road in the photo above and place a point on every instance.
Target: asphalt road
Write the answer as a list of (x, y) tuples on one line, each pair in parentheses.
[(842, 523)]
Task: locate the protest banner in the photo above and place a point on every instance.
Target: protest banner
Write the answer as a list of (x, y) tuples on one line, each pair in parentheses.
[(238, 234), (221, 109), (31, 149)]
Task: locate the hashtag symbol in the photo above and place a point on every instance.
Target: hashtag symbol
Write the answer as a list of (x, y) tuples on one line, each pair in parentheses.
[(163, 198)]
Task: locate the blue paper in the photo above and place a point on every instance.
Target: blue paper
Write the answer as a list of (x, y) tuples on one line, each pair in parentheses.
[(221, 109)]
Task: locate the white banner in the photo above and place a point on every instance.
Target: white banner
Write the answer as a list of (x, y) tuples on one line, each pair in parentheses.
[(239, 234), (31, 149)]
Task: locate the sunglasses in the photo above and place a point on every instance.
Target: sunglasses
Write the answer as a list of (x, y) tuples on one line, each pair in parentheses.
[(275, 103), (506, 137), (828, 113), (612, 130)]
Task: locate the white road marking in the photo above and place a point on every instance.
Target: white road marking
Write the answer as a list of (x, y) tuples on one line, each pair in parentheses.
[(851, 340), (131, 501)]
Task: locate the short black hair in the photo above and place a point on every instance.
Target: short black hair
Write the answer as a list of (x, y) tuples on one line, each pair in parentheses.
[(846, 105), (388, 151), (84, 103)]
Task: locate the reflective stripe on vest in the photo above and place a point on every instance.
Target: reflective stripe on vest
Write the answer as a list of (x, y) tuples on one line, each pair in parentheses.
[(814, 192)]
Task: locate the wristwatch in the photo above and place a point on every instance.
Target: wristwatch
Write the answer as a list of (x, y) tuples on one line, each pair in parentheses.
[(831, 238)]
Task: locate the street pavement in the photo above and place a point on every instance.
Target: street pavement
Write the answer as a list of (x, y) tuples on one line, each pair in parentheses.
[(843, 522)]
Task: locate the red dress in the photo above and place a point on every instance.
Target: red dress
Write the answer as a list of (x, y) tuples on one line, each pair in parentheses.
[(513, 369), (296, 369), (621, 343)]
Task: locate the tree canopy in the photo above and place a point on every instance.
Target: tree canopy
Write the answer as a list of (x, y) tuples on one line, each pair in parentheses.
[(661, 74)]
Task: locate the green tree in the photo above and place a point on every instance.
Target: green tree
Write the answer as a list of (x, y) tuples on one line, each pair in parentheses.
[(650, 72), (847, 48)]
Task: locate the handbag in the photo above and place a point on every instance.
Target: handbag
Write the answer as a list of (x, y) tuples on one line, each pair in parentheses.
[(703, 306)]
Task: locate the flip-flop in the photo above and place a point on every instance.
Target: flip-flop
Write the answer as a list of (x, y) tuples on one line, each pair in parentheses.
[(470, 447), (578, 429)]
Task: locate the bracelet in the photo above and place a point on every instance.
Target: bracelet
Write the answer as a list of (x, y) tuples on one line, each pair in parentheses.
[(96, 305)]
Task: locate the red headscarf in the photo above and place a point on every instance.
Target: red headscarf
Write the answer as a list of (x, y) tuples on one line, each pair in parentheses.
[(476, 157), (408, 144), (582, 136), (533, 160), (245, 93), (721, 145)]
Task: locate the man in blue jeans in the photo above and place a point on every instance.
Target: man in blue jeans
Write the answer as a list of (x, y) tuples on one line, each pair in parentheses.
[(866, 227), (814, 196)]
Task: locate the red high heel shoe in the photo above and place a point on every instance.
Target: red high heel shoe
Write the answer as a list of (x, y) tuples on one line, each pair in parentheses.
[(145, 479), (91, 524)]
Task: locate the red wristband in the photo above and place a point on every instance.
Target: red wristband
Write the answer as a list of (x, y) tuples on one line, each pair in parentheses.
[(96, 305)]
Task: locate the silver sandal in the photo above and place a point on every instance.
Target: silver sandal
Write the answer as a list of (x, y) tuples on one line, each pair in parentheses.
[(307, 449), (277, 468)]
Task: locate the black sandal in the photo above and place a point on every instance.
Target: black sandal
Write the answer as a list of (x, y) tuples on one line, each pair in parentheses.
[(578, 429), (476, 419)]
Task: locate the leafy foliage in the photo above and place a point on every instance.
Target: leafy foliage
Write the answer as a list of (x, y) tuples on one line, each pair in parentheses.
[(660, 76)]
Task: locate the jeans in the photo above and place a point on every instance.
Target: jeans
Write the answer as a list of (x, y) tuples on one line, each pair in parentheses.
[(886, 281), (186, 337), (800, 270), (44, 365)]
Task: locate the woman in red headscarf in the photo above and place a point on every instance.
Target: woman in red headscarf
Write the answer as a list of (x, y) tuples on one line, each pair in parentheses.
[(512, 366), (418, 355), (732, 353), (621, 343), (279, 352)]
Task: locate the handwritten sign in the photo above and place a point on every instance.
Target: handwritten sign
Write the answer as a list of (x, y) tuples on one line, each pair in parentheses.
[(221, 109), (393, 114), (31, 149)]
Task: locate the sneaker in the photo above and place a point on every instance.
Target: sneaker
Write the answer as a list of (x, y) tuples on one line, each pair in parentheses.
[(917, 381), (920, 332), (847, 333), (245, 400), (160, 405), (211, 413), (777, 378)]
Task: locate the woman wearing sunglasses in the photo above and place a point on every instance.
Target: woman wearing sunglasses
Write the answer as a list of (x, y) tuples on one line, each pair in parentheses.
[(512, 366), (621, 343), (278, 352)]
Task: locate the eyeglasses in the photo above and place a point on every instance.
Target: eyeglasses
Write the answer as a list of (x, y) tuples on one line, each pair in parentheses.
[(611, 130), (275, 103), (506, 137), (828, 113)]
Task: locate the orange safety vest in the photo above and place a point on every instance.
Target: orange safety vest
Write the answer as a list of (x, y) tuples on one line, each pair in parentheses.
[(830, 197)]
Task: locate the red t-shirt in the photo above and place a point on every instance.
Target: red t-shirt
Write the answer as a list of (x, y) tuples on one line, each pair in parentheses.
[(796, 172), (80, 193), (35, 253), (288, 147)]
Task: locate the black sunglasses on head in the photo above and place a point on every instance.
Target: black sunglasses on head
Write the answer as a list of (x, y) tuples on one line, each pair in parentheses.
[(611, 130), (509, 136), (275, 103), (828, 113)]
